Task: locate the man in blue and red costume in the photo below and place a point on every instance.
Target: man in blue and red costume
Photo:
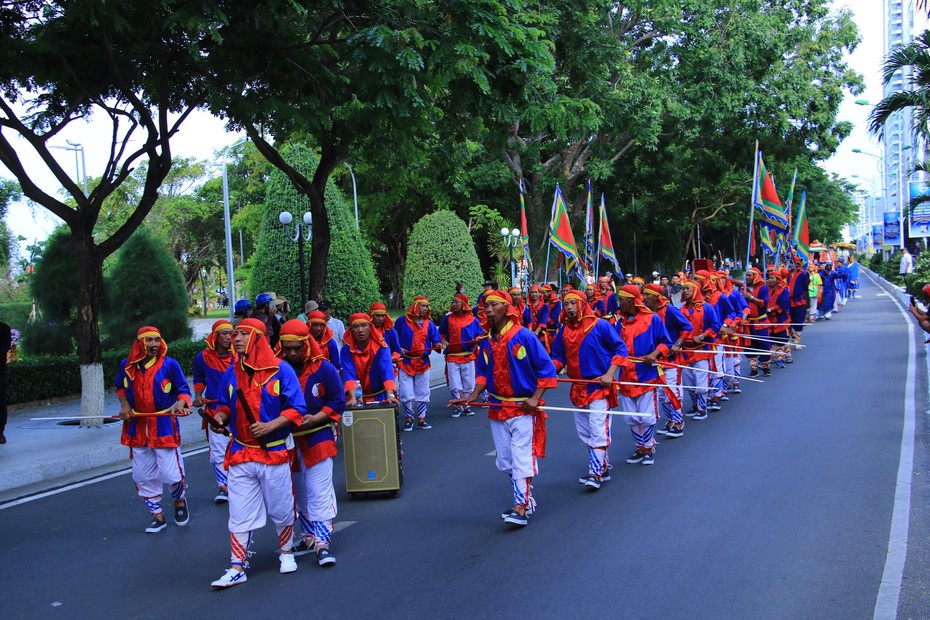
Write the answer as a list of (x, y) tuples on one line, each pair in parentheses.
[(592, 351), (726, 316), (459, 330), (778, 314), (536, 315), (417, 337), (698, 350), (607, 305), (798, 282), (150, 383), (382, 323), (679, 331), (734, 290), (757, 297), (323, 334), (516, 371), (366, 363), (554, 306), (260, 402), (209, 367), (646, 340), (315, 439)]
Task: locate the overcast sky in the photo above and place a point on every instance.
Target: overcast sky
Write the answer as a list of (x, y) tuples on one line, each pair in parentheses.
[(202, 135)]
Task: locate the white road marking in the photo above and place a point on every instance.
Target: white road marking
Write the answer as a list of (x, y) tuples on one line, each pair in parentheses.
[(492, 453), (889, 590), (341, 525), (882, 295)]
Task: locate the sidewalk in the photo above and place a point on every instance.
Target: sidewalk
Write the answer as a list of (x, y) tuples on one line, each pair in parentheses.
[(44, 454)]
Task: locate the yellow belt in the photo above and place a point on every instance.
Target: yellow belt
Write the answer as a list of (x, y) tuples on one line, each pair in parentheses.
[(462, 354), (510, 399), (312, 430), (270, 445), (757, 318)]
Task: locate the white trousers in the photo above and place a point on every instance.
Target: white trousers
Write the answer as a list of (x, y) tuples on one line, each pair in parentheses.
[(257, 492), (672, 414), (316, 500), (461, 378), (413, 392), (594, 428), (513, 440), (642, 427), (696, 375), (154, 467)]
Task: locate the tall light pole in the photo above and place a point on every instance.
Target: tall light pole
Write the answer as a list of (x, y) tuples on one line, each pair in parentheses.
[(302, 234), (512, 238), (354, 192), (80, 167), (230, 270)]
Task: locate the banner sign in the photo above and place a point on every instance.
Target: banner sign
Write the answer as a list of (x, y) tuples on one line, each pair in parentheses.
[(892, 228), (919, 220), (878, 237)]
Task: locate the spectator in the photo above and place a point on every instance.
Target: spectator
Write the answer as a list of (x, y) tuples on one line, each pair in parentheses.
[(338, 327), (264, 312), (309, 307), (923, 319), (241, 310), (906, 266), (282, 308)]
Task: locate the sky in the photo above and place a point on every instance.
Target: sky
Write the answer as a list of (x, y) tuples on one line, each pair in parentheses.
[(203, 136)]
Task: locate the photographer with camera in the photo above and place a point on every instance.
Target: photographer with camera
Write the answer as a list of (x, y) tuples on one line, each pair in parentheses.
[(923, 318)]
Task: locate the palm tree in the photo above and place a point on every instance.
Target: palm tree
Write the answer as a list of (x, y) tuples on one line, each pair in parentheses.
[(916, 56)]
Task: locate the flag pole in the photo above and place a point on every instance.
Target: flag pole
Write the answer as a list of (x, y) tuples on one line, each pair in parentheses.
[(752, 207), (549, 232), (600, 228)]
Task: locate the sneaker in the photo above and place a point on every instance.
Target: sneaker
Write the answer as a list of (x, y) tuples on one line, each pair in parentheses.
[(789, 360), (303, 548), (156, 525), (648, 459), (767, 372), (230, 578), (592, 482), (714, 405), (779, 364), (737, 389), (605, 475), (506, 511), (664, 430), (423, 425), (690, 414), (675, 432), (724, 398), (222, 496), (288, 563), (636, 457), (468, 413), (324, 557), (181, 515), (515, 518), (700, 415), (408, 424), (457, 413), (754, 372)]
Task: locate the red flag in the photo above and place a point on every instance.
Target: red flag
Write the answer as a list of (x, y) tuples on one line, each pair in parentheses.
[(752, 239)]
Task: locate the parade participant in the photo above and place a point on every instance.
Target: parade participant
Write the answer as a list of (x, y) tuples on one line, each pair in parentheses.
[(382, 323), (555, 310), (565, 288), (264, 312), (646, 338), (698, 351), (591, 349), (607, 305), (315, 440), (516, 371), (842, 276), (757, 297), (798, 284), (679, 331), (325, 338), (209, 367), (366, 363), (417, 337), (733, 361), (536, 315), (517, 296), (853, 270), (592, 297), (148, 382), (260, 402), (726, 315), (478, 310), (640, 282), (459, 331), (828, 291), (778, 311)]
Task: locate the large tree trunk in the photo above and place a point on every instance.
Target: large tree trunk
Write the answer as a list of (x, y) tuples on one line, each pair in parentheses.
[(87, 328)]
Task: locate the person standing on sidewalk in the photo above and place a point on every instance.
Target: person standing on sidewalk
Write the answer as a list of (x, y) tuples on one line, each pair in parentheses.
[(209, 367), (260, 401), (148, 382), (417, 337), (906, 266)]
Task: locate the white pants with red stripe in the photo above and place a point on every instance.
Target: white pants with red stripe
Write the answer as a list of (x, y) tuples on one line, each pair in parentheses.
[(513, 440), (152, 468), (258, 492), (316, 500), (643, 426), (594, 431)]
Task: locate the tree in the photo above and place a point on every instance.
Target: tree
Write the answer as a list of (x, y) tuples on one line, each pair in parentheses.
[(145, 287), (350, 276), (9, 192), (441, 253), (54, 285), (914, 59)]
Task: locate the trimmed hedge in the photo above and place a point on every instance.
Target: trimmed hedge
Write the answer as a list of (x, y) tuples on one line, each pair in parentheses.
[(52, 377), (16, 315), (351, 284), (440, 253)]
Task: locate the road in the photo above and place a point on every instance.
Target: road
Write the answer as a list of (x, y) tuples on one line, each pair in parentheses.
[(779, 506)]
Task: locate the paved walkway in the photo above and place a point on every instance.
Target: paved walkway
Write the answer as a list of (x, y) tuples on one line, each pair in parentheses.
[(43, 454)]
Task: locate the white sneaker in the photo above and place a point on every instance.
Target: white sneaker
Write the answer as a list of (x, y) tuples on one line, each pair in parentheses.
[(288, 563), (231, 578)]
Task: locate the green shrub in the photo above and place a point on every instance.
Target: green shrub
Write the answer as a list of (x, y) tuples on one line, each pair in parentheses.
[(52, 377), (16, 315), (54, 286), (351, 284), (439, 254), (47, 338), (145, 287)]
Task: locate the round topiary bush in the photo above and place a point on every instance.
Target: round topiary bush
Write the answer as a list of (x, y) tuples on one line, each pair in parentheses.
[(440, 253), (54, 287), (145, 287), (351, 284)]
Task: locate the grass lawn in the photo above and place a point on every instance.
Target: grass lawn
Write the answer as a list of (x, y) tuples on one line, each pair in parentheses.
[(217, 313)]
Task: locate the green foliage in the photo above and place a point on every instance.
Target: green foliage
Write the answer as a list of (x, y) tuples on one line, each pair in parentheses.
[(15, 314), (46, 337), (351, 283), (145, 287), (441, 252), (54, 284), (51, 377)]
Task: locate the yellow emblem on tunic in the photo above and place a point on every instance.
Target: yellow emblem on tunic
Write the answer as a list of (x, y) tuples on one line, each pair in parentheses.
[(125, 382), (485, 352), (520, 352), (166, 387), (274, 388), (230, 390)]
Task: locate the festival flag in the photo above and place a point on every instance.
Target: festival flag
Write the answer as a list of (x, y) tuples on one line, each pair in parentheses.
[(606, 243), (789, 206), (589, 230), (766, 199), (524, 231), (801, 237), (560, 235)]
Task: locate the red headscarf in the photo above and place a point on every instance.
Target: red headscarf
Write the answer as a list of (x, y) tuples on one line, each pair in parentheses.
[(414, 310), (504, 298), (258, 356), (586, 316), (462, 297), (655, 289), (210, 356), (631, 291), (349, 337), (698, 299), (296, 330), (318, 317), (378, 307), (138, 351)]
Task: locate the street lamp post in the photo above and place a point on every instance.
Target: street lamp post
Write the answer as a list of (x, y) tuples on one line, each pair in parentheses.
[(354, 192), (80, 168), (230, 269), (302, 234), (511, 239)]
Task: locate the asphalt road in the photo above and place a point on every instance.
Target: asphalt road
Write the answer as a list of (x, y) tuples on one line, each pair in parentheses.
[(779, 506)]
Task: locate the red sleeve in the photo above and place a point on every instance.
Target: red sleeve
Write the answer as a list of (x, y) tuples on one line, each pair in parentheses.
[(186, 398), (558, 366), (292, 415), (199, 387), (390, 385), (616, 360), (547, 383), (121, 393), (481, 380), (662, 349)]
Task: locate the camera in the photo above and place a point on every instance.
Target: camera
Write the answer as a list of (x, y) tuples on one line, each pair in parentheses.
[(913, 301)]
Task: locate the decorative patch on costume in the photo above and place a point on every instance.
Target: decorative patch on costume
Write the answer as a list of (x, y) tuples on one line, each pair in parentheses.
[(317, 390), (230, 390), (485, 353), (166, 385), (126, 382), (519, 351), (274, 388)]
